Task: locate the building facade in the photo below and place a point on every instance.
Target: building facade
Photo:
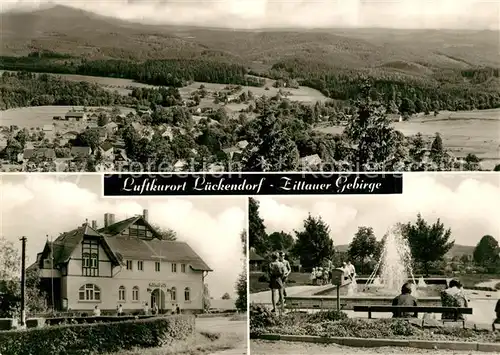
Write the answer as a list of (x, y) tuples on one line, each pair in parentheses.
[(125, 263)]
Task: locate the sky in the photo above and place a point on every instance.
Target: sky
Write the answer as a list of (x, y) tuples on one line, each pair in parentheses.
[(469, 204), (415, 14), (37, 205)]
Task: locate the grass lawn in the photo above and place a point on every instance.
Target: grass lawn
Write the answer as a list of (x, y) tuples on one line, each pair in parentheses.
[(200, 343)]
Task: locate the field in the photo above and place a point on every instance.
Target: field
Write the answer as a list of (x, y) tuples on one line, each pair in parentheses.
[(465, 132), (38, 116), (302, 94)]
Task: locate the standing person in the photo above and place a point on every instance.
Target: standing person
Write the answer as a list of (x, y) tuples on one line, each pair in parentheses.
[(97, 311), (276, 273), (288, 270), (319, 275), (146, 308), (313, 276), (119, 310), (178, 310), (346, 271), (351, 270), (155, 309), (405, 299)]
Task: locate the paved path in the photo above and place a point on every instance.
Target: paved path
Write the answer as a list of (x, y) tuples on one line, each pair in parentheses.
[(265, 296), (261, 347), (225, 325), (490, 283)]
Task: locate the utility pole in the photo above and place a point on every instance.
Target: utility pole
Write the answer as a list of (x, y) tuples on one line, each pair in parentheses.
[(23, 281)]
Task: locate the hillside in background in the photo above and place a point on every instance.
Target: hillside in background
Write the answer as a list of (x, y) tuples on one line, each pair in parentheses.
[(83, 34)]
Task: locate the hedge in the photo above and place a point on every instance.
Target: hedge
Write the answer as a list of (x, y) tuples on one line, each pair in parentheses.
[(97, 338)]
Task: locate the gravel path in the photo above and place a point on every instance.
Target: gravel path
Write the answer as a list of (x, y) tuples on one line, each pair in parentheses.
[(224, 325), (490, 283), (262, 347), (265, 296)]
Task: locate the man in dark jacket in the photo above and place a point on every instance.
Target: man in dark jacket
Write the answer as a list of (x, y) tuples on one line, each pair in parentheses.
[(405, 299)]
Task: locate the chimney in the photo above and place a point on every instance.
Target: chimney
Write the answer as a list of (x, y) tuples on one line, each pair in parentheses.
[(94, 224), (111, 219), (106, 219), (145, 215)]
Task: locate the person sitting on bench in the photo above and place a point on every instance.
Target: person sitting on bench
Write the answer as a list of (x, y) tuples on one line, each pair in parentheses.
[(453, 296), (405, 299)]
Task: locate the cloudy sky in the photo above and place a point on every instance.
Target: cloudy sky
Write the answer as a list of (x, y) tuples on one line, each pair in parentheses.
[(470, 14), (37, 206), (468, 204)]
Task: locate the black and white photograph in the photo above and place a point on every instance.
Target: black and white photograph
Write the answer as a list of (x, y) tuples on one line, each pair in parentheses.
[(386, 274), (83, 274), (240, 85)]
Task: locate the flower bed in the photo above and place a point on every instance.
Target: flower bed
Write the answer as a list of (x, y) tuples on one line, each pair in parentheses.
[(337, 324)]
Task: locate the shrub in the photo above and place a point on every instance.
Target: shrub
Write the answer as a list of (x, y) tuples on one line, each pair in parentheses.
[(331, 315), (260, 318), (97, 337), (263, 278)]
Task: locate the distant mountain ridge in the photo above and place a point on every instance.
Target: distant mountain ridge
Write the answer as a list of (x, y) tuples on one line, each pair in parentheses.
[(80, 33)]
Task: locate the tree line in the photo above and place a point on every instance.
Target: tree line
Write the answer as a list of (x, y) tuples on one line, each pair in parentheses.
[(165, 72), (313, 245), (400, 91), (23, 89)]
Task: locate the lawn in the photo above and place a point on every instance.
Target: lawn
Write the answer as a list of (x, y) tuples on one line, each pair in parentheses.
[(463, 132)]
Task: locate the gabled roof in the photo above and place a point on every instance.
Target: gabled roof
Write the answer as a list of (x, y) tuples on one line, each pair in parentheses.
[(155, 249), (253, 256), (65, 244), (119, 247), (107, 145)]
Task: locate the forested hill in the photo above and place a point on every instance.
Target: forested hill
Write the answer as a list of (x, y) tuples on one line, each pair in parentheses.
[(411, 71)]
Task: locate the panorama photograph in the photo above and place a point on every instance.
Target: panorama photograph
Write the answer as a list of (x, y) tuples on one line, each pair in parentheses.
[(415, 273), (83, 274), (239, 85)]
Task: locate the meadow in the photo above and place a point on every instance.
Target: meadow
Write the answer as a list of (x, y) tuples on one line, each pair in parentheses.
[(464, 132)]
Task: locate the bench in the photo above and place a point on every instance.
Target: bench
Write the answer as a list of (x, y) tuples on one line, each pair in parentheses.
[(457, 311)]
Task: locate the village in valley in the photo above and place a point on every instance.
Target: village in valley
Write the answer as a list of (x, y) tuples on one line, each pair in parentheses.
[(80, 138)]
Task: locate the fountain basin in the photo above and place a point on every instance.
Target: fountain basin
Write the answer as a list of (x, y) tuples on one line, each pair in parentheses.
[(348, 302), (379, 291)]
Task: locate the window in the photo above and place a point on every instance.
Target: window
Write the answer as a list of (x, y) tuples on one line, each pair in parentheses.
[(187, 296), (90, 257), (129, 264), (140, 266), (89, 292), (135, 294), (157, 266), (86, 260), (94, 260), (121, 293), (173, 294), (174, 267), (140, 231), (183, 267)]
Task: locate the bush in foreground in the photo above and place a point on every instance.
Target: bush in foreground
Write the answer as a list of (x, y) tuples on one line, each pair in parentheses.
[(333, 324), (98, 338)]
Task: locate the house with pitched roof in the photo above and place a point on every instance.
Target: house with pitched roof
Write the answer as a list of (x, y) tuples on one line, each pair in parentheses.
[(126, 262)]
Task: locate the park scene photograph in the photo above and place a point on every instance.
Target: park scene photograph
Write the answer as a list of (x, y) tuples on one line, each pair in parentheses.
[(376, 274), (241, 85), (83, 274)]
